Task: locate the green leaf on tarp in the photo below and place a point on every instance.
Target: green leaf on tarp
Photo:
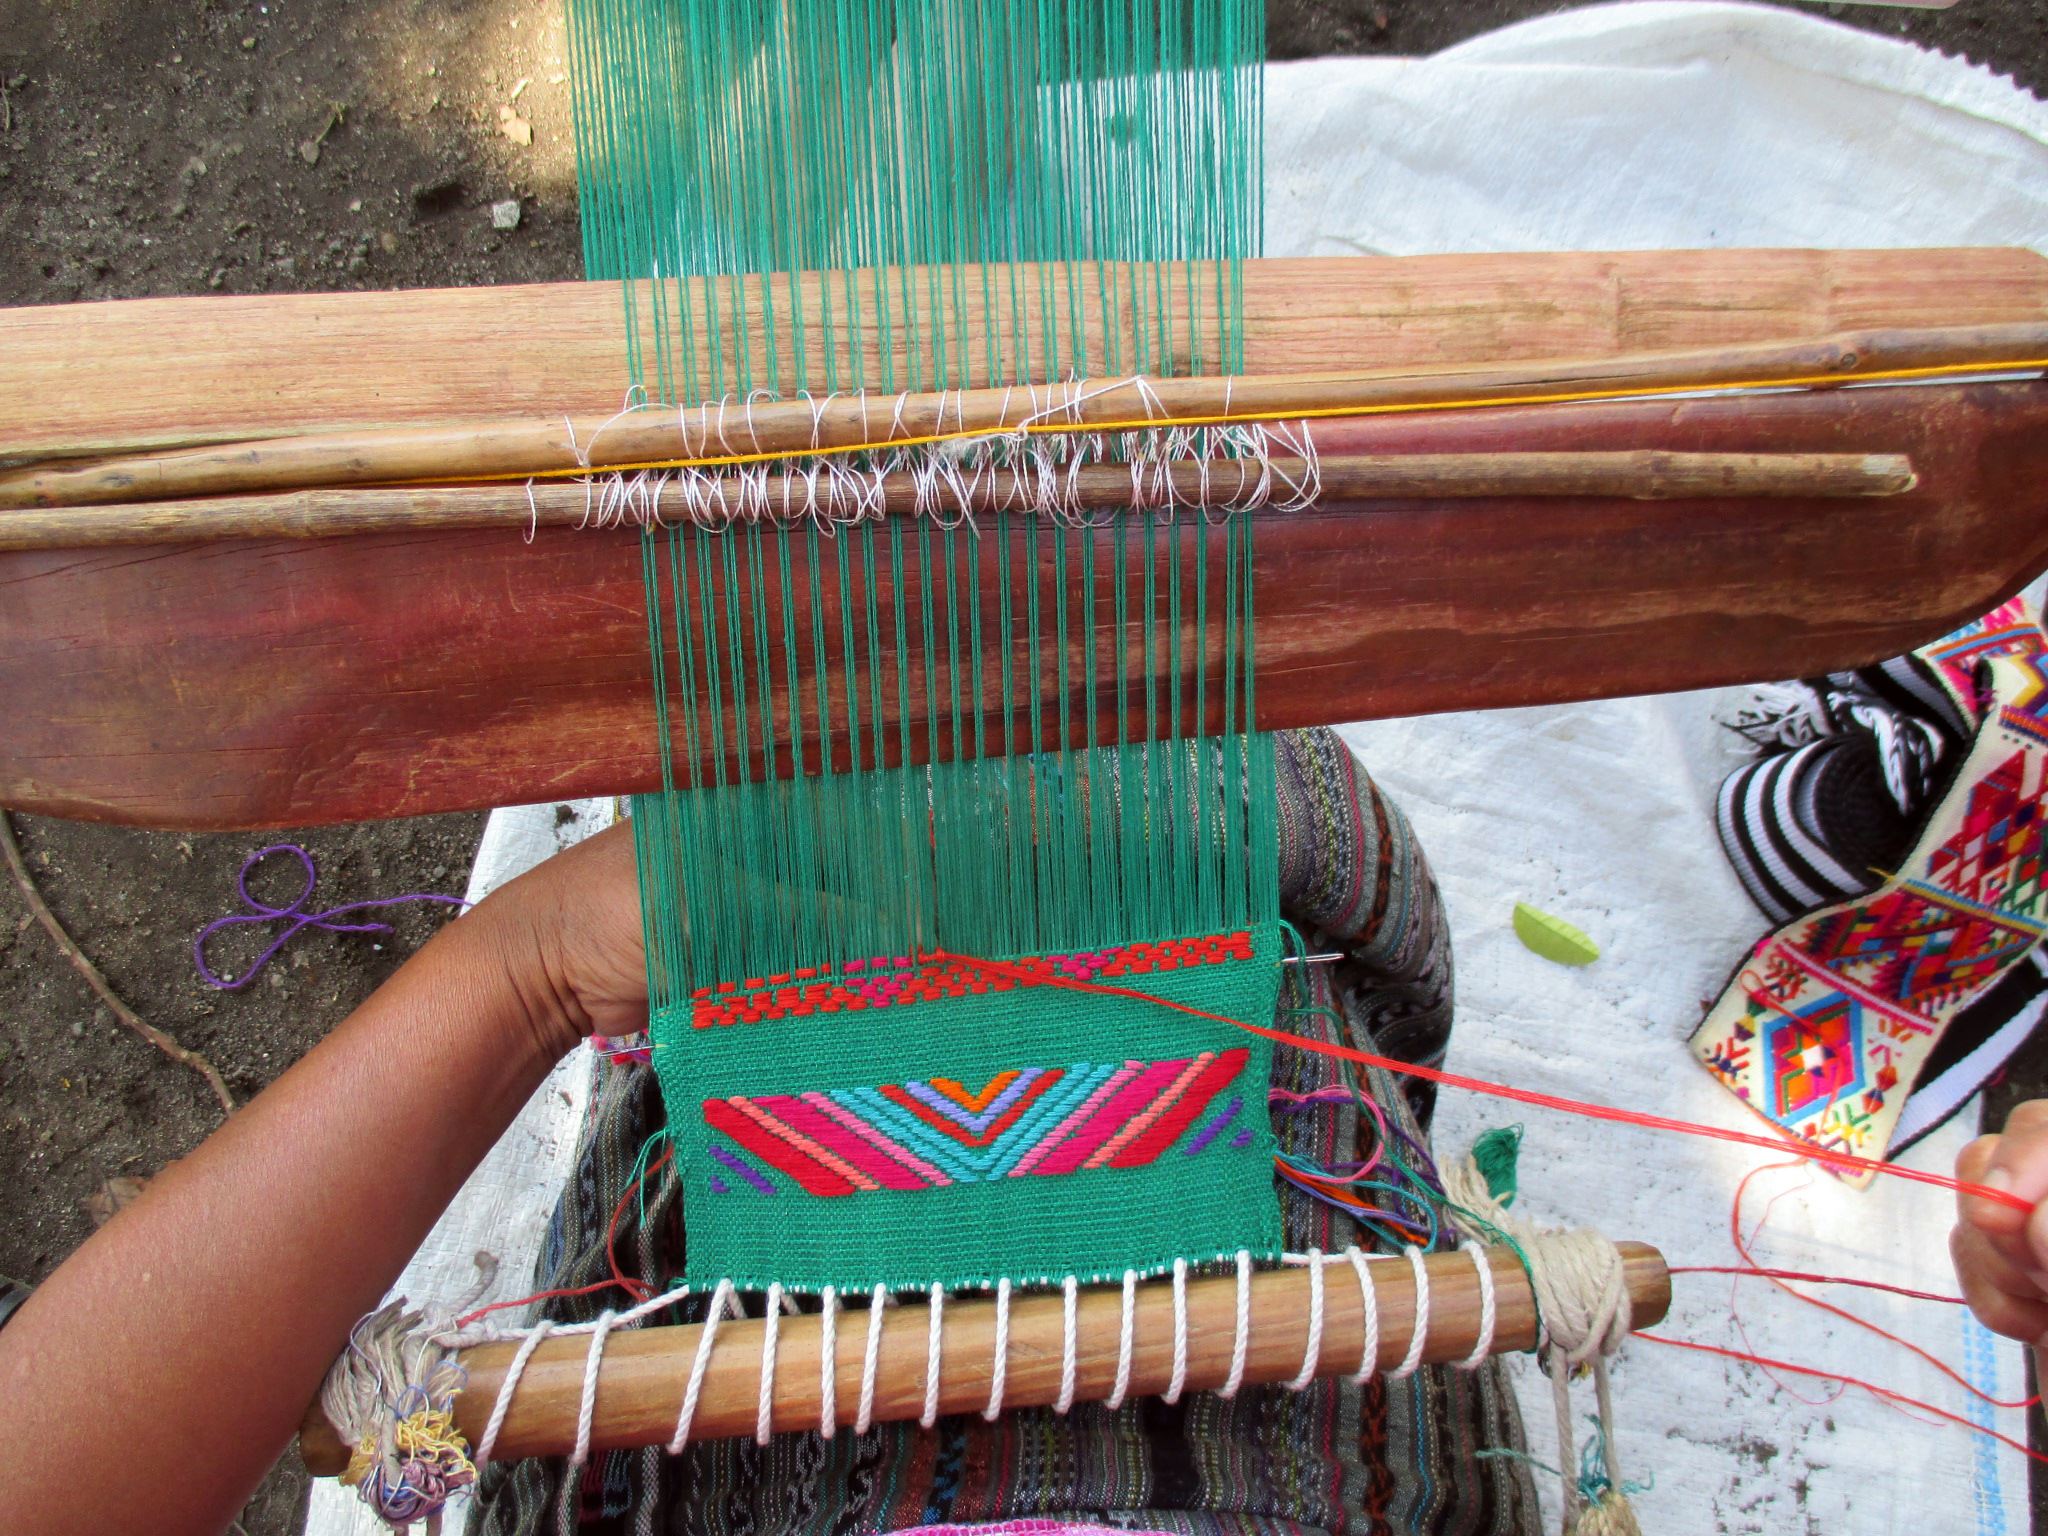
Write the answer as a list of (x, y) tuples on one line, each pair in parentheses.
[(1552, 937)]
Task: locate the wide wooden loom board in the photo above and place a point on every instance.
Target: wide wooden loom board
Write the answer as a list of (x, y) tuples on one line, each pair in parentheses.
[(278, 682)]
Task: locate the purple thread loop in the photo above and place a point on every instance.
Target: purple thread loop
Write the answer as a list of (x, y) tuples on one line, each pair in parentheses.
[(295, 913)]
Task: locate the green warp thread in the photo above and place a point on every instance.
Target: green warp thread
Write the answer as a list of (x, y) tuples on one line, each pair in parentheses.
[(1010, 738)]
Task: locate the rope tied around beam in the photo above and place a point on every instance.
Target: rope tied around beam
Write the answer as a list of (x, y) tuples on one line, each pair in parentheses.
[(1582, 1299)]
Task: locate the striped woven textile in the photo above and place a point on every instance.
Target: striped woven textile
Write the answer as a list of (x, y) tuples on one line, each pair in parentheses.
[(1392, 1456)]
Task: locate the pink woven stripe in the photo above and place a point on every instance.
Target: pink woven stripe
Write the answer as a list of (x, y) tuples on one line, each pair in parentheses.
[(1029, 1162), (880, 1139), (1160, 1106), (1107, 1120), (775, 1127)]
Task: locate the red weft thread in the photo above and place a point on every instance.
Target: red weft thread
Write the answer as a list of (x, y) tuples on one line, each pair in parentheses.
[(1843, 1160), (1883, 1394), (1742, 1247), (637, 1289), (1754, 1272), (521, 1301)]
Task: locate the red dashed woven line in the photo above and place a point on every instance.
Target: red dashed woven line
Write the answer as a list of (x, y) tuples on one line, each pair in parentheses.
[(897, 980)]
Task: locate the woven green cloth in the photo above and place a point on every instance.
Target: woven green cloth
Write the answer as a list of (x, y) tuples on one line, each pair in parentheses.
[(905, 1124)]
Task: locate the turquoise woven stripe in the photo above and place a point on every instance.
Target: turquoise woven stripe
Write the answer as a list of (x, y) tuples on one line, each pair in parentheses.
[(1207, 1195)]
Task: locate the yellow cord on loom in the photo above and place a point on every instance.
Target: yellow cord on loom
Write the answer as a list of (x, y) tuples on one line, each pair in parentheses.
[(1567, 397)]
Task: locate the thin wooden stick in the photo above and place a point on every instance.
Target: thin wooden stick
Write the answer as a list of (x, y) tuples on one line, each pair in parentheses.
[(68, 947), (1634, 474), (734, 429), (640, 1382)]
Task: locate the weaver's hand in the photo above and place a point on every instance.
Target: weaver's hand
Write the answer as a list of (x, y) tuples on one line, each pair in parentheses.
[(2001, 1255), (573, 947)]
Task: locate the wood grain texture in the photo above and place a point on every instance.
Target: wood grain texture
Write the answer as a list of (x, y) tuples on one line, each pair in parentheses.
[(84, 378), (640, 1381), (791, 500), (267, 683)]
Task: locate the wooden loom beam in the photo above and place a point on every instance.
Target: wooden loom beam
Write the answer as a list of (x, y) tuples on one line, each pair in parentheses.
[(641, 1379), (265, 683)]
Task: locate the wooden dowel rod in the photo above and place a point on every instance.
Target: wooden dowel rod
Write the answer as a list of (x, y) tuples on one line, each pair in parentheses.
[(537, 446), (1636, 474), (640, 1382)]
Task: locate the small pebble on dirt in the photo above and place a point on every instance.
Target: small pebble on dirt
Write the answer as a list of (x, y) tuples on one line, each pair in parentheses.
[(505, 215)]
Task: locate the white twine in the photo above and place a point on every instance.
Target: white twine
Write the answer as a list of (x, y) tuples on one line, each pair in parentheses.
[(1483, 1345), (1070, 1306), (999, 1366), (1312, 1352), (586, 1411), (1240, 1341), (871, 1359), (1180, 1331), (694, 1387), (937, 1304), (1368, 1295), (503, 1403), (771, 1327), (1419, 1338), (828, 1363), (1125, 1339)]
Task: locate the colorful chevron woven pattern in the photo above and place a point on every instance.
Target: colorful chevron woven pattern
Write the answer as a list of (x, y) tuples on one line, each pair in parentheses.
[(893, 980), (1826, 1028), (1037, 1122), (911, 1121)]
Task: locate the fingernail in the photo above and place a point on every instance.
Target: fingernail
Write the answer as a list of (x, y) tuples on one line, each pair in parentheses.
[(2040, 1279), (1999, 1179)]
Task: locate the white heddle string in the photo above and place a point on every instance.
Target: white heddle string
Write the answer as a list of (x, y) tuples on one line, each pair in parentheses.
[(694, 1388), (1070, 1307), (999, 1364), (1420, 1337), (1312, 1352), (588, 1408), (828, 1363), (771, 1329), (1240, 1339), (1483, 1346), (1369, 1298), (878, 1301), (507, 1387), (1126, 1337), (937, 1304), (1180, 1331)]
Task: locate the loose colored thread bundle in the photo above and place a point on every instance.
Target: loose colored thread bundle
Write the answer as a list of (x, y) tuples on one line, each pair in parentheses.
[(294, 914)]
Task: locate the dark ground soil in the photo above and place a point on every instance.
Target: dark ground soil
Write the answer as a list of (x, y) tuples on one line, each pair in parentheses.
[(317, 144)]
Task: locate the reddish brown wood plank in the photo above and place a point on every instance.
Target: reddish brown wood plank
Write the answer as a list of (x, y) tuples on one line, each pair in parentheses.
[(269, 683)]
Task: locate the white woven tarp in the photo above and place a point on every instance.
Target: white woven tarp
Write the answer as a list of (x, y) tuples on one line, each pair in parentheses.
[(1637, 125)]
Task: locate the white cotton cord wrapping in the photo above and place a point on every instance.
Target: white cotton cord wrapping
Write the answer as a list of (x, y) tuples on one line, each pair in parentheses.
[(1369, 1299), (1580, 1284), (1483, 1345), (1070, 1364), (936, 1302), (1312, 1352), (1126, 1338), (588, 1409), (1420, 1336), (694, 1388), (771, 1329), (999, 1365), (1179, 1382), (1241, 1335), (871, 1358), (507, 1387), (828, 1363)]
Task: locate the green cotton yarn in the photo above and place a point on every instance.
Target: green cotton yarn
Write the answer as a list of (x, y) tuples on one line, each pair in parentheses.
[(1013, 738)]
